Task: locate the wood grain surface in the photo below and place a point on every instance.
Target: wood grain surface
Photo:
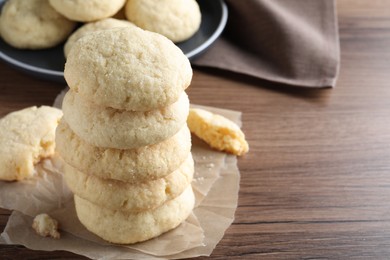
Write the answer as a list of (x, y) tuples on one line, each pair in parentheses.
[(316, 182)]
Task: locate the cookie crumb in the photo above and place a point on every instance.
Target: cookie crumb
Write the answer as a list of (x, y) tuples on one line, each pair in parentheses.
[(44, 225)]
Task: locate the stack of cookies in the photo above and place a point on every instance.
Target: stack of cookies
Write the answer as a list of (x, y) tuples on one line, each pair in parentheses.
[(124, 136)]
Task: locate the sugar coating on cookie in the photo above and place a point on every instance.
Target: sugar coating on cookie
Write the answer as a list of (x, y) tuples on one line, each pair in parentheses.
[(125, 196), (127, 68), (26, 137), (33, 24), (124, 227), (104, 24), (178, 20), (121, 129), (131, 165), (218, 131), (87, 10)]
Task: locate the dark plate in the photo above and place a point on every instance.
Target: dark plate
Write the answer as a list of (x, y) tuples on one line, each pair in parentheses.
[(49, 63)]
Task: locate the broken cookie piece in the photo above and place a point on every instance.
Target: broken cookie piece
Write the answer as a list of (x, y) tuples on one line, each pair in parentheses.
[(44, 225), (217, 131), (26, 137)]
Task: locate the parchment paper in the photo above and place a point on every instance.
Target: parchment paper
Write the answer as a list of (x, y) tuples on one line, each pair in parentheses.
[(216, 185)]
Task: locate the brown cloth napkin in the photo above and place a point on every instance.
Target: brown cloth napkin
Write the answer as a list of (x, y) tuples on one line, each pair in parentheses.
[(294, 42)]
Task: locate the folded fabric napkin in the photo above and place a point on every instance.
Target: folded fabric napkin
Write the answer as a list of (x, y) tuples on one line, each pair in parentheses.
[(288, 41)]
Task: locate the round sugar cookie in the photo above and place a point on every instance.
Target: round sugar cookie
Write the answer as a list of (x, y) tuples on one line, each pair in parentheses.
[(178, 20), (127, 68), (26, 137), (125, 196), (123, 227), (33, 24), (131, 165), (87, 10), (122, 129), (104, 24)]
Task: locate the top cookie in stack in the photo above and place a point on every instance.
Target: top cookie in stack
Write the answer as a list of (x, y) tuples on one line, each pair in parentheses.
[(124, 136), (141, 72)]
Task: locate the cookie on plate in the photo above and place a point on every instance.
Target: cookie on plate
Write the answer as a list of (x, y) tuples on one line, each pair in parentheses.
[(26, 136), (125, 196), (131, 165), (178, 20), (127, 68), (87, 11), (121, 129), (104, 24), (33, 24), (123, 227)]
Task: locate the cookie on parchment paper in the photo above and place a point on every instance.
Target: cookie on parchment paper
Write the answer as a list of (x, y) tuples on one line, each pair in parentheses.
[(33, 24), (130, 165), (122, 129), (124, 227), (26, 137), (217, 131), (125, 196), (127, 68)]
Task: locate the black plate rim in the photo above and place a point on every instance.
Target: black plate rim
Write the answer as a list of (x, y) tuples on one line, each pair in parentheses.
[(215, 35), (190, 54), (30, 68)]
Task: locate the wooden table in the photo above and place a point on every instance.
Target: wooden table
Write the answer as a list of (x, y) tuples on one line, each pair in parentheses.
[(316, 183)]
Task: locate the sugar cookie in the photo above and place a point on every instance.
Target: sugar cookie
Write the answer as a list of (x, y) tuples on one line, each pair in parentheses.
[(127, 68), (87, 11), (124, 196), (178, 20), (124, 227), (141, 164), (33, 24), (121, 129), (26, 136), (104, 24)]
